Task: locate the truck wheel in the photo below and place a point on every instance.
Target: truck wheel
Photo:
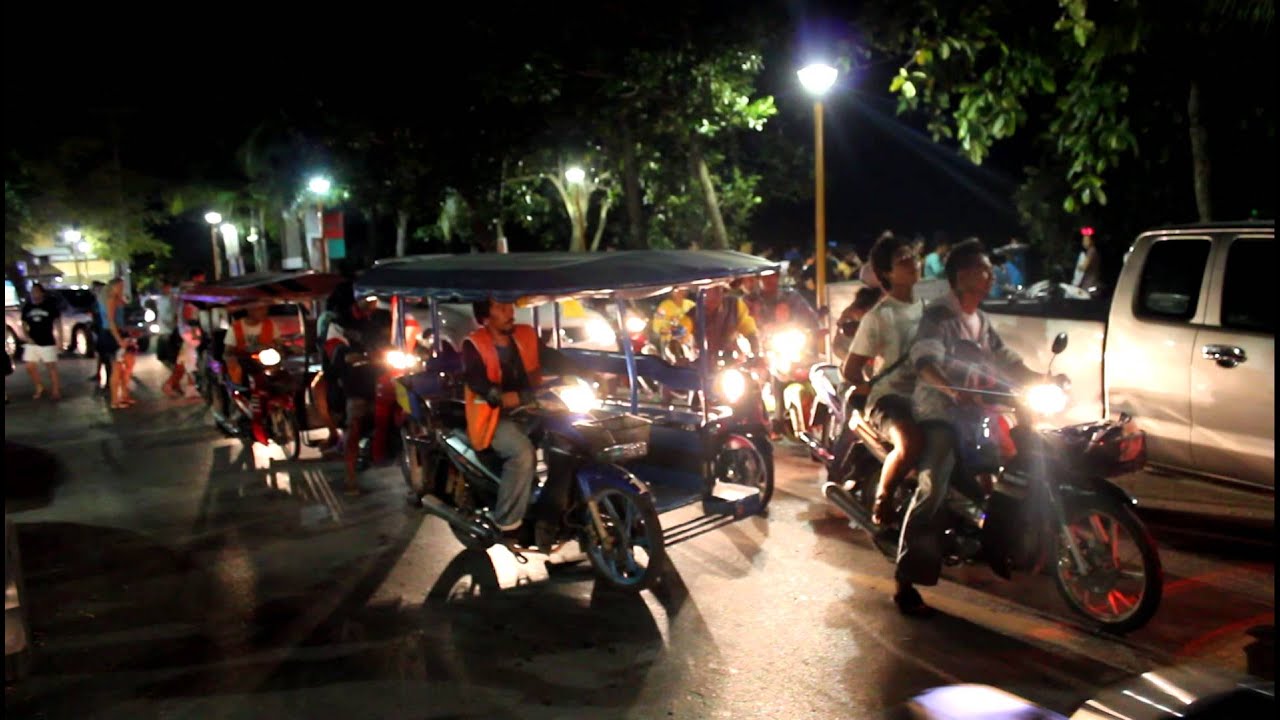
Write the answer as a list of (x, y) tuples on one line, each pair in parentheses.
[(80, 343)]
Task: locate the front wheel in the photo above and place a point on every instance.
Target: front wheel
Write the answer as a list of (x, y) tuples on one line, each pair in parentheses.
[(739, 461), (284, 432), (630, 555), (1122, 581)]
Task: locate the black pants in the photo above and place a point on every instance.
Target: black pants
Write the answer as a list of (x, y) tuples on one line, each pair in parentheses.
[(920, 546)]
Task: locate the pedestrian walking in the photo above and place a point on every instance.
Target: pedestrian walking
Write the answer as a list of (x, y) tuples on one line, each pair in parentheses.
[(40, 317)]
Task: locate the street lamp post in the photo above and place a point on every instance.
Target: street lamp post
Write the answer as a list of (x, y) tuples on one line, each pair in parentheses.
[(319, 186), (817, 79), (214, 219)]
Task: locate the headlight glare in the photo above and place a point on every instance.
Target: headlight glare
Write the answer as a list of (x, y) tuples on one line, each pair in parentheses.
[(1046, 399), (578, 397), (269, 357), (635, 324), (599, 332), (149, 315), (401, 360), (732, 384)]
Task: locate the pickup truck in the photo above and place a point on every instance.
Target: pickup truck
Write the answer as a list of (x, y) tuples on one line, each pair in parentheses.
[(1186, 345)]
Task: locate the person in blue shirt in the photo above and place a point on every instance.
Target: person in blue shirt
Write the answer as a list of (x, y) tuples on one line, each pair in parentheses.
[(935, 262), (1007, 277)]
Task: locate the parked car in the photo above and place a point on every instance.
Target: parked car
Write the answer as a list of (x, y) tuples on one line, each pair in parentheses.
[(1186, 345), (77, 320)]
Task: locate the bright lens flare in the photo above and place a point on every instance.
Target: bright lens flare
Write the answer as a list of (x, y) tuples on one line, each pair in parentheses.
[(635, 324), (578, 397), (786, 348), (1046, 399), (599, 332), (733, 384), (401, 360), (269, 357), (149, 315)]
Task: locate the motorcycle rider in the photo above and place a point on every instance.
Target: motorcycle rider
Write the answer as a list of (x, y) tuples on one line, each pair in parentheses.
[(884, 336), (947, 322), (773, 305), (728, 318), (248, 334), (502, 364)]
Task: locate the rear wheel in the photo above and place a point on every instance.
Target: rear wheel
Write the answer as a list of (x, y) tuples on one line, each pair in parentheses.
[(631, 555), (1122, 580), (80, 343)]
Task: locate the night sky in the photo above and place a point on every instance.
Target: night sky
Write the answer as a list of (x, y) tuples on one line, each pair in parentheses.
[(188, 96)]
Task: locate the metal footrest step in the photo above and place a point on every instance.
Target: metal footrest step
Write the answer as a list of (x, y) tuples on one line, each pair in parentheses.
[(733, 500)]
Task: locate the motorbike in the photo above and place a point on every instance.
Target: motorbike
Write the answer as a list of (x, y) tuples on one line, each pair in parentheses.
[(582, 492), (788, 392), (1025, 497), (380, 446), (266, 407)]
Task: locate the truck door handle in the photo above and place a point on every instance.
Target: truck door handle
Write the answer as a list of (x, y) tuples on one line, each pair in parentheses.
[(1227, 356)]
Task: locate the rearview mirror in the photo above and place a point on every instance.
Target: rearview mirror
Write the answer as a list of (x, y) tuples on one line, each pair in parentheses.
[(1059, 343)]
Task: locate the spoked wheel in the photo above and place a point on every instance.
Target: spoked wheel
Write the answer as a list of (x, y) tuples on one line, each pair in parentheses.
[(630, 557), (1122, 581), (739, 461), (284, 432)]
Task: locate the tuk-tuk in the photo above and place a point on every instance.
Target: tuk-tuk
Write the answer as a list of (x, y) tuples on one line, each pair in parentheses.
[(708, 441), (282, 373)]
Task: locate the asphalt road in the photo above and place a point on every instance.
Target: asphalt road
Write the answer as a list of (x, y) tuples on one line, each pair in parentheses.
[(173, 573)]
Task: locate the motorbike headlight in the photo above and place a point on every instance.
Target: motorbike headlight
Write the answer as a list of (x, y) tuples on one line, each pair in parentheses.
[(579, 397), (269, 357), (401, 360), (149, 315), (599, 332), (789, 343), (1046, 399), (635, 324), (732, 384), (155, 329)]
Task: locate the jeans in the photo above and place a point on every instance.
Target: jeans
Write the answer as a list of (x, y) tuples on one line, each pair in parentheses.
[(512, 444), (920, 546)]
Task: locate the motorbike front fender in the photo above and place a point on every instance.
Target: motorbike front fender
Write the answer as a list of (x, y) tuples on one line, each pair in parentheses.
[(597, 476)]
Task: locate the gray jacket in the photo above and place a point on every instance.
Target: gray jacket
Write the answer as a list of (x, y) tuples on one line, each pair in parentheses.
[(941, 328)]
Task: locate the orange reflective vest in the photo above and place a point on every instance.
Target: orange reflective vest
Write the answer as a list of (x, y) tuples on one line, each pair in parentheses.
[(265, 339), (482, 418)]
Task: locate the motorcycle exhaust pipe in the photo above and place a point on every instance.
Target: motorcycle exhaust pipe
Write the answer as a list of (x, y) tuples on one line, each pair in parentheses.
[(436, 506), (848, 505)]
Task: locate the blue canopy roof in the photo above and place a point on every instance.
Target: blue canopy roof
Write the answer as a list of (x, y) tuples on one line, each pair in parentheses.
[(547, 275)]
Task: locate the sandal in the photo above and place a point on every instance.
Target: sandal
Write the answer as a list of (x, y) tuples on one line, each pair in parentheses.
[(39, 392)]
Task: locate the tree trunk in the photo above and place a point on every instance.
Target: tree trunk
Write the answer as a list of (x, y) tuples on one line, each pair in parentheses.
[(720, 238), (1199, 154), (261, 254), (402, 231), (604, 215), (636, 235)]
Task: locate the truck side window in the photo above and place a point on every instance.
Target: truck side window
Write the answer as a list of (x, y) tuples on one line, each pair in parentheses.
[(1247, 303), (1171, 278)]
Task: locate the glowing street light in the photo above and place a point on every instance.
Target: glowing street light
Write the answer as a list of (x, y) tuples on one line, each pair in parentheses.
[(71, 236), (214, 219), (575, 174), (817, 79), (83, 247), (319, 185)]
